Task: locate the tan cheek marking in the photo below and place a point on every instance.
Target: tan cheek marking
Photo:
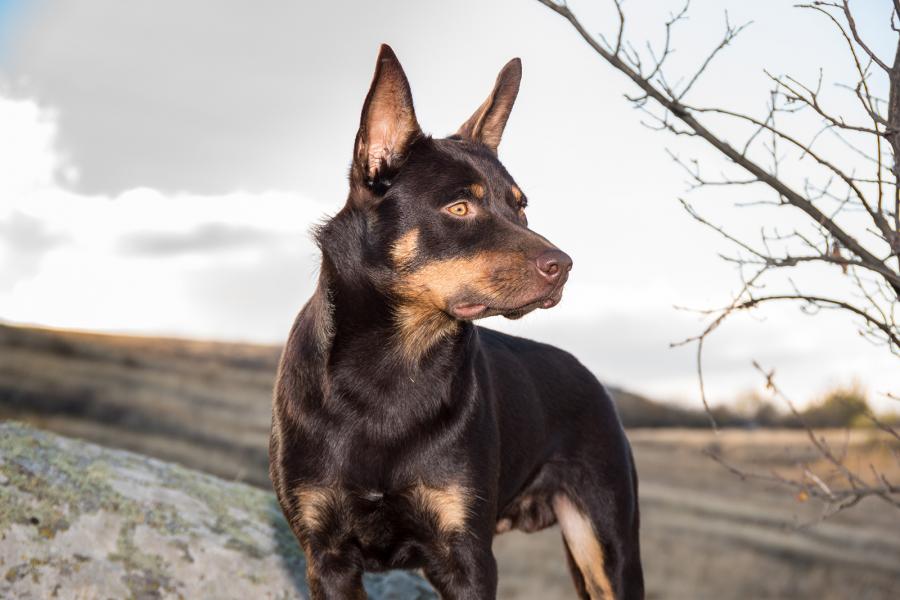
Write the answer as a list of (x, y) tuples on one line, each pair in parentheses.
[(404, 249), (477, 190), (424, 293), (516, 192), (439, 280), (584, 546), (420, 315), (449, 506)]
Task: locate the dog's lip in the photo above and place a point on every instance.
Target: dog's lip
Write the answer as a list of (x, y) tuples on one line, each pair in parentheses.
[(548, 301), (468, 311), (551, 302), (473, 310)]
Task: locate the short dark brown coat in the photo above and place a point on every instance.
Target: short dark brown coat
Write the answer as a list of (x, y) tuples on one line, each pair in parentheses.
[(405, 437)]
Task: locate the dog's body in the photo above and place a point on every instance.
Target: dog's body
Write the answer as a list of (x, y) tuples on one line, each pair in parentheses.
[(404, 436)]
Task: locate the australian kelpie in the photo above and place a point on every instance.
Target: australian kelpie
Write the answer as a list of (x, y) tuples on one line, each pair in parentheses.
[(405, 437)]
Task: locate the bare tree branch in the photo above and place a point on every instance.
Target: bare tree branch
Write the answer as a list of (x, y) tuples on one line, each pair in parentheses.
[(665, 97), (849, 223), (859, 40)]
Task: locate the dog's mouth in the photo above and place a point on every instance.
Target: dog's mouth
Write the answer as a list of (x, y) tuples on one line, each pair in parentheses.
[(477, 310)]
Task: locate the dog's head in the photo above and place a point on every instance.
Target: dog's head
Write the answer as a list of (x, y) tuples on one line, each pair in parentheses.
[(443, 215)]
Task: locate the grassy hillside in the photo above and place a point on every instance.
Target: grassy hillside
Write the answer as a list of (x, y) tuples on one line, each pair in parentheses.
[(198, 403)]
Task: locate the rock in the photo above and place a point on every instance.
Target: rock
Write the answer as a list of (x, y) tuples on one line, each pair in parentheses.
[(81, 521)]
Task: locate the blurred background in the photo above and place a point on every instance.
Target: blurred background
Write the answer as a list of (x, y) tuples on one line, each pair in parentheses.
[(161, 165)]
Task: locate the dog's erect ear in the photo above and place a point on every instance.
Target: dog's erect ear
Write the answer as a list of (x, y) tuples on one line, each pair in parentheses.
[(487, 124), (388, 124)]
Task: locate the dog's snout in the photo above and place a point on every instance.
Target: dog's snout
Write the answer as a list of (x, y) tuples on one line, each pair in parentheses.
[(552, 264)]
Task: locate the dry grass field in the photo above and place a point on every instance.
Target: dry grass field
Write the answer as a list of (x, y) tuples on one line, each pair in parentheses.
[(705, 534)]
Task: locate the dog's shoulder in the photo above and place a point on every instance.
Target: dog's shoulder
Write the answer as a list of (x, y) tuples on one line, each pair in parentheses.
[(532, 371), (544, 361), (497, 342)]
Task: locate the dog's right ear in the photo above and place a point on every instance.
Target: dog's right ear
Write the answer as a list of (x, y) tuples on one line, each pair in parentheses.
[(387, 127)]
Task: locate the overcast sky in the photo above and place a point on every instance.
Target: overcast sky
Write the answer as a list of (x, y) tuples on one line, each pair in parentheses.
[(161, 164)]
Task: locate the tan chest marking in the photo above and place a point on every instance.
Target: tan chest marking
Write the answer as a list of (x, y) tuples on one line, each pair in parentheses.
[(448, 506), (317, 505), (585, 547)]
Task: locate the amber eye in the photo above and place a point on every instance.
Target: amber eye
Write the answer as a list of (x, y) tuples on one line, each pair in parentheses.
[(460, 209)]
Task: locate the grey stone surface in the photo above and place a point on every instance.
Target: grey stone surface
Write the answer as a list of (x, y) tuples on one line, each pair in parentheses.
[(81, 521)]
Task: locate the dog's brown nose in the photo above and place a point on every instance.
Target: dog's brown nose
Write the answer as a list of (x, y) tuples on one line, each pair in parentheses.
[(552, 264)]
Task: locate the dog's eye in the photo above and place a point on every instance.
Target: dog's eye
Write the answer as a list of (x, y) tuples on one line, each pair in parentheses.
[(460, 209)]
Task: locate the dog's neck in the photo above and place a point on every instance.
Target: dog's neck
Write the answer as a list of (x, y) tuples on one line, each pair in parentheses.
[(364, 333)]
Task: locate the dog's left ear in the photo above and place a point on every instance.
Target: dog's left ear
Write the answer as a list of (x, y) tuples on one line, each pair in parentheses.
[(487, 124), (387, 126)]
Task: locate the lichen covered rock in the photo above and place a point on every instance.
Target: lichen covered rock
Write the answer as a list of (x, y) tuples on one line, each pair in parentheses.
[(81, 521)]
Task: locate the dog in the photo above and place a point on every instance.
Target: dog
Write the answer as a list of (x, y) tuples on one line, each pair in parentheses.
[(406, 437)]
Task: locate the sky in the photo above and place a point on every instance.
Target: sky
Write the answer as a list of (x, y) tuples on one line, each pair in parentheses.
[(161, 164)]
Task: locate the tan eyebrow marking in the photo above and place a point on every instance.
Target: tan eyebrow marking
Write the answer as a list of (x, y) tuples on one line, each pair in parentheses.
[(516, 192), (477, 190)]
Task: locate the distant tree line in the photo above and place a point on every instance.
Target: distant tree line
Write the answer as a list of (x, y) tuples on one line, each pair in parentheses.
[(842, 406)]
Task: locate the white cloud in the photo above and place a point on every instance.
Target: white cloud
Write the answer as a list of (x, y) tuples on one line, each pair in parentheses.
[(74, 267)]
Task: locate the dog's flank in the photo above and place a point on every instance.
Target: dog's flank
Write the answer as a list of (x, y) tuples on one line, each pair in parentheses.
[(403, 436)]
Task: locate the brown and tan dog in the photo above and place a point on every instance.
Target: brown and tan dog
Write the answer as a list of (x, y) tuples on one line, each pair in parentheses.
[(405, 437)]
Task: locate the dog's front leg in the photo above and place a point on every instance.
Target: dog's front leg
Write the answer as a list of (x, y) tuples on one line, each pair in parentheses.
[(463, 570), (334, 577)]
